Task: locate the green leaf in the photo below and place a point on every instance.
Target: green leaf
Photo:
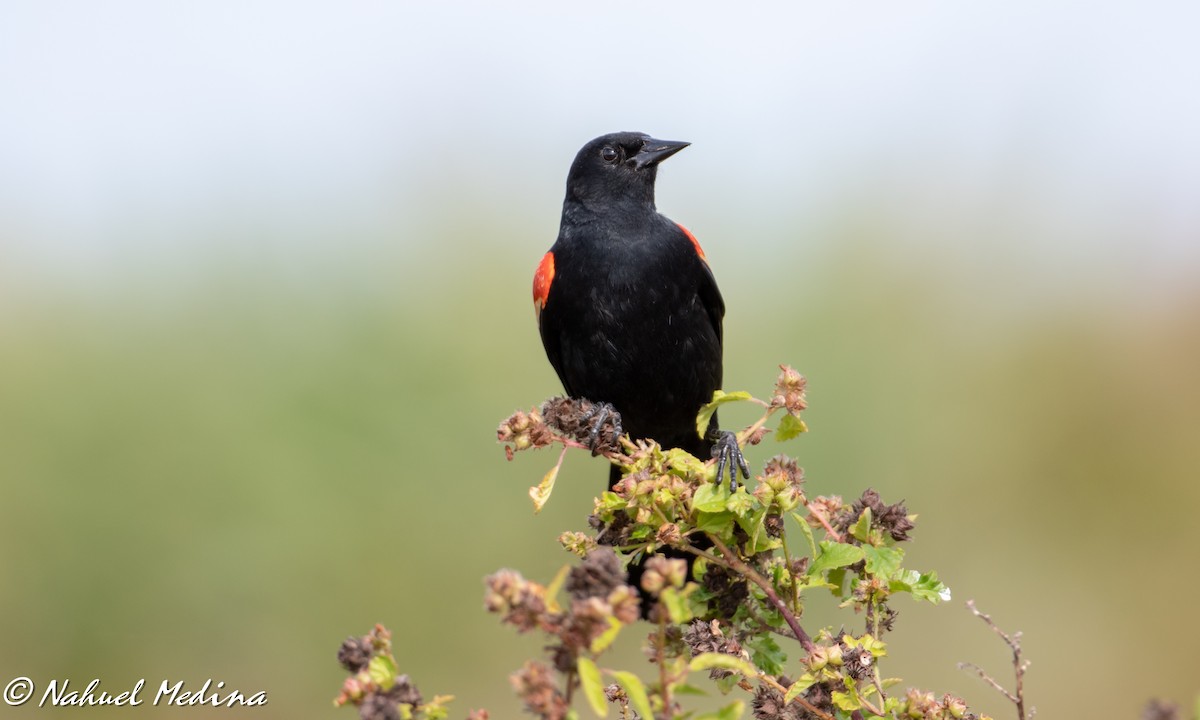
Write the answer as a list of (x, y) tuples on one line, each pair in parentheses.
[(835, 555), (861, 529), (790, 426), (720, 397), (847, 702), (382, 670), (714, 522), (808, 533), (541, 492), (641, 532), (685, 464), (798, 688), (710, 660), (593, 686), (725, 685), (636, 691), (741, 502), (710, 497), (883, 561), (766, 654), (923, 587), (686, 689), (678, 608), (609, 500), (606, 638)]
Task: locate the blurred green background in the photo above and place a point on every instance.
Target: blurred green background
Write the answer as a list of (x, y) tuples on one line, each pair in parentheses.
[(264, 297)]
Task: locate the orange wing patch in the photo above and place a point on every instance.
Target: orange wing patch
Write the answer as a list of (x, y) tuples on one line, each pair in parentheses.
[(695, 242), (541, 282)]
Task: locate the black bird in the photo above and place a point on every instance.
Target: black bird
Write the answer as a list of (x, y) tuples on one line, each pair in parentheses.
[(628, 309)]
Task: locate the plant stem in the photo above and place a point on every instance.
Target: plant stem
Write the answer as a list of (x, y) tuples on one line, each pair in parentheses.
[(787, 556), (730, 560), (662, 663), (747, 432)]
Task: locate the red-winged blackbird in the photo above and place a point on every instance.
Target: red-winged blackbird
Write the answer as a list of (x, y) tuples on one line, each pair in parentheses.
[(628, 309)]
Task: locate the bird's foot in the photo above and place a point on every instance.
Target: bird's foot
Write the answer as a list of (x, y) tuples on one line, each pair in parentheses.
[(596, 417), (729, 455)]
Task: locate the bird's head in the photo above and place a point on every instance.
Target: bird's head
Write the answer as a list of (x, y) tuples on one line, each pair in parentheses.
[(618, 166)]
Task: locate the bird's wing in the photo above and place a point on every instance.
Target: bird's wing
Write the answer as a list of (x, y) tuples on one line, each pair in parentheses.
[(710, 296), (543, 278)]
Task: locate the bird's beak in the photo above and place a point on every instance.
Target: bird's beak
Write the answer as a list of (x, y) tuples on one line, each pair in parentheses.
[(655, 151)]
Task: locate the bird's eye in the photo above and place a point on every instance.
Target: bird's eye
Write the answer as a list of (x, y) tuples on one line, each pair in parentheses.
[(609, 154)]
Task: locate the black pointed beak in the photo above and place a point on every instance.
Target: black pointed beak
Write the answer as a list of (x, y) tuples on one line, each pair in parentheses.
[(655, 151)]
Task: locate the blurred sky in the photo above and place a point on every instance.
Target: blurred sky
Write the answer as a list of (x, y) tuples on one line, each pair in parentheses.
[(264, 273), (131, 128)]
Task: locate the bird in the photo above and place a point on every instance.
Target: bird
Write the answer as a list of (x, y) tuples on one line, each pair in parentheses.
[(628, 308)]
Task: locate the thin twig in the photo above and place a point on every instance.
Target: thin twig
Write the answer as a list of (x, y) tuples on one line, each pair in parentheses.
[(750, 430), (1019, 665), (988, 679)]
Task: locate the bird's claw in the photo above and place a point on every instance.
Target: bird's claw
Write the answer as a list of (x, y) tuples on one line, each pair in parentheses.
[(729, 455), (597, 415)]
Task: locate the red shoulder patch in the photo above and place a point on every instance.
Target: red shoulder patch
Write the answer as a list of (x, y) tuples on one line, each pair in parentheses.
[(542, 279), (695, 242)]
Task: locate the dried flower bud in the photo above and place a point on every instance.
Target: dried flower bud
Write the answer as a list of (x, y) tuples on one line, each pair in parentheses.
[(728, 588), (577, 543), (818, 658), (668, 534), (789, 390), (783, 471), (534, 684), (378, 707), (919, 704), (353, 690), (653, 582), (599, 573), (404, 691), (626, 604), (826, 507), (523, 430), (835, 655), (523, 603), (955, 707), (773, 524), (768, 704), (706, 637), (673, 571), (890, 519), (356, 652)]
